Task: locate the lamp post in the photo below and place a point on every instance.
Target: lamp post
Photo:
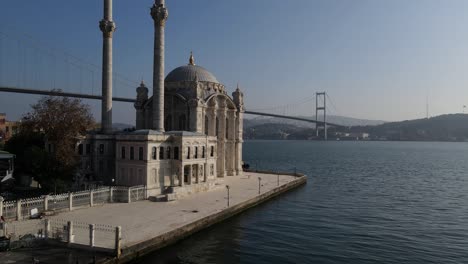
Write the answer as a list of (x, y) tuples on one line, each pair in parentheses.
[(277, 174), (227, 187), (259, 184)]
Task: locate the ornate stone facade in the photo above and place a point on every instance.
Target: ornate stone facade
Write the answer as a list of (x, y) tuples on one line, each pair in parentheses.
[(201, 106), (188, 134)]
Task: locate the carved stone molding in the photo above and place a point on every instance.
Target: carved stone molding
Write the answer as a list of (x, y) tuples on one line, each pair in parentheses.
[(107, 27), (159, 14)]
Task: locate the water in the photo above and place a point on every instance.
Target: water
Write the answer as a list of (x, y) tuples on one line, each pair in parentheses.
[(365, 202)]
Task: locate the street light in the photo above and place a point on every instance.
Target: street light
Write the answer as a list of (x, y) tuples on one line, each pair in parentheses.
[(277, 174), (259, 184), (227, 187)]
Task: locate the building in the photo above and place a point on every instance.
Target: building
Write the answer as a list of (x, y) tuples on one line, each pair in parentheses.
[(6, 166), (188, 134), (7, 128)]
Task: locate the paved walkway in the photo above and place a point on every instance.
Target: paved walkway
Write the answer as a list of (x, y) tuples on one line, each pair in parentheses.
[(145, 219)]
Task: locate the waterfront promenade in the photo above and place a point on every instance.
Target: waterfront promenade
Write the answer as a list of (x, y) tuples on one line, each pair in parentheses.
[(145, 220)]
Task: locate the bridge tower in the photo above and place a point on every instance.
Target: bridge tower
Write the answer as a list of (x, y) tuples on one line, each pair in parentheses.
[(323, 108)]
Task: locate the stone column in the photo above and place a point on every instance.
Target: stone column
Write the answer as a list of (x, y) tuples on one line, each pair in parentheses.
[(190, 175), (230, 144), (221, 148), (238, 98), (239, 140), (107, 27), (91, 235), (70, 232), (196, 116), (91, 198), (18, 209), (159, 14), (212, 121), (1, 205), (181, 178), (111, 194), (46, 202), (70, 201)]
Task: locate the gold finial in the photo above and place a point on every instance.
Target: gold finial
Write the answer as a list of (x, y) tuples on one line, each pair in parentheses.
[(192, 59), (142, 84)]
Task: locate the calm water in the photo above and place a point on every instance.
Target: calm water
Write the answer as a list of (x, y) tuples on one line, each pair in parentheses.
[(365, 202)]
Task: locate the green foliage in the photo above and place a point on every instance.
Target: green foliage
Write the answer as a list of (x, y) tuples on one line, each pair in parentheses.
[(54, 120)]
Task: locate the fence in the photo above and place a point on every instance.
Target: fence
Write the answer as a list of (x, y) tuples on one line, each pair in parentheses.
[(93, 236), (22, 209)]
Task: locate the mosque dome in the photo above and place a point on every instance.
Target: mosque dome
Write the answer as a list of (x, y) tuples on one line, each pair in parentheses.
[(191, 72)]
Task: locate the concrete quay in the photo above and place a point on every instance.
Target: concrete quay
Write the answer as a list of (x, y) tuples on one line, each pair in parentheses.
[(148, 226)]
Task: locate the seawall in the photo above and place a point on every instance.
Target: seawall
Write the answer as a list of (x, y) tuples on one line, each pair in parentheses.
[(147, 246)]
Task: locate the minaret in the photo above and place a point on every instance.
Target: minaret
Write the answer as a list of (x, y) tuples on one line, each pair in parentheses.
[(159, 14), (107, 27)]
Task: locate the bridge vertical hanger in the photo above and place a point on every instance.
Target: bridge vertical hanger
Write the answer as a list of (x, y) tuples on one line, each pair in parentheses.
[(323, 108), (107, 27)]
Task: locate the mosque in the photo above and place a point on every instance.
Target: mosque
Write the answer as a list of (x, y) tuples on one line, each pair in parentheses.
[(188, 134)]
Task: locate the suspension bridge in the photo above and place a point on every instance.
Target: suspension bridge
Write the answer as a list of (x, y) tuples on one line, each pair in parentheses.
[(30, 67)]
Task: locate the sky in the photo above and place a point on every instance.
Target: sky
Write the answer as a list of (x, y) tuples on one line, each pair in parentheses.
[(378, 60)]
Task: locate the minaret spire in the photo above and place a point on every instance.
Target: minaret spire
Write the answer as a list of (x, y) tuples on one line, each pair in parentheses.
[(191, 59), (159, 14), (107, 27)]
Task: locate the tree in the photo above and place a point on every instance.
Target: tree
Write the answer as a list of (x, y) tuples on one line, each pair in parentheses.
[(60, 121)]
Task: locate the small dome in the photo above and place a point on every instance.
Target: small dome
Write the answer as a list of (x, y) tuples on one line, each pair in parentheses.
[(189, 73)]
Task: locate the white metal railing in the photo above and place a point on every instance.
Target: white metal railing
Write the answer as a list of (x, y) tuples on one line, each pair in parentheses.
[(24, 208), (96, 236), (137, 193)]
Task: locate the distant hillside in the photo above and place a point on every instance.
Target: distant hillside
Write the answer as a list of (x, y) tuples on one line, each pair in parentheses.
[(249, 121), (452, 127)]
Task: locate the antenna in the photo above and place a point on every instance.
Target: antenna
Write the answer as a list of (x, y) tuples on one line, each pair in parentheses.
[(427, 107)]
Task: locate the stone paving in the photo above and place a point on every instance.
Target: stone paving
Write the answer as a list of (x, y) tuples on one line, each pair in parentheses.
[(144, 220)]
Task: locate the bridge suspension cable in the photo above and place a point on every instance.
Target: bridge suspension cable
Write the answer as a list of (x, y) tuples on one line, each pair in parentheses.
[(28, 63)]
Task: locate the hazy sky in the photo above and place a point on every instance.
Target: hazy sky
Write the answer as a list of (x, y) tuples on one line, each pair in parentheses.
[(375, 59)]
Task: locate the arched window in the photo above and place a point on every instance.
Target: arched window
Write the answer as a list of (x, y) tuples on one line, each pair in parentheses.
[(176, 153), (80, 149), (217, 127), (168, 123), (196, 152), (188, 152), (182, 121), (203, 152), (168, 153), (161, 153), (140, 153), (132, 153), (123, 153), (212, 151), (153, 153), (206, 125)]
